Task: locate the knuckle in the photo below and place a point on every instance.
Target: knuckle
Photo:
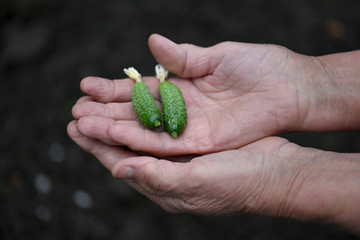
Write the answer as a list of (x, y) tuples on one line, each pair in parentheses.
[(154, 180), (195, 177)]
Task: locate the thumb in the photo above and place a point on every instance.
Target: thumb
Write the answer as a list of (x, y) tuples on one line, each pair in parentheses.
[(184, 60), (153, 177)]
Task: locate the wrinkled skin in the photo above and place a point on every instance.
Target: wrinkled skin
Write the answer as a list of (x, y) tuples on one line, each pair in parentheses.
[(235, 93), (237, 96)]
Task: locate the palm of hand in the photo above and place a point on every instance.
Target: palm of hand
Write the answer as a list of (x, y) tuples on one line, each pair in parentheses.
[(242, 97), (237, 104)]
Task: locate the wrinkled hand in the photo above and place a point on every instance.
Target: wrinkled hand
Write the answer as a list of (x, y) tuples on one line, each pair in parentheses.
[(235, 93), (269, 177), (227, 182)]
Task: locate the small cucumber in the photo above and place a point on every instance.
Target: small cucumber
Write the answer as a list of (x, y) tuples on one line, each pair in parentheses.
[(174, 108), (143, 102)]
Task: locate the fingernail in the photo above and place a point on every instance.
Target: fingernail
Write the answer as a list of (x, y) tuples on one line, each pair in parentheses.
[(125, 173)]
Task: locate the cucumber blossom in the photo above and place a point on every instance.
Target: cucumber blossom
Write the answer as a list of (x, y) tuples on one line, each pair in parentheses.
[(143, 102), (174, 108)]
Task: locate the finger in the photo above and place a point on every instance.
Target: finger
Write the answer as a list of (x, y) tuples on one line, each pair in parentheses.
[(98, 128), (171, 185), (146, 140), (85, 99), (107, 155), (116, 111), (133, 135), (154, 176), (105, 90), (185, 60)]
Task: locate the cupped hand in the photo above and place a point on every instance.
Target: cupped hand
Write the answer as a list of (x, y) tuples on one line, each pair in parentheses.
[(235, 93), (226, 182), (268, 177)]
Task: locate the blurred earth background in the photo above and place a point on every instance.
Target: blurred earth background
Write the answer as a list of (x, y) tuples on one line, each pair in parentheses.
[(50, 188)]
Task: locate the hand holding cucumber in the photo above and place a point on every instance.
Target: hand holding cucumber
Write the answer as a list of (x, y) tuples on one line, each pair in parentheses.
[(236, 94), (231, 98)]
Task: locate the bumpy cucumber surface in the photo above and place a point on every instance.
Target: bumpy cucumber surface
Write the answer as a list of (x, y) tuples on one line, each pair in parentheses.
[(174, 108), (145, 107)]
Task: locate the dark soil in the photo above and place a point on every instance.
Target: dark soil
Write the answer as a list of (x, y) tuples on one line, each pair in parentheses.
[(50, 188)]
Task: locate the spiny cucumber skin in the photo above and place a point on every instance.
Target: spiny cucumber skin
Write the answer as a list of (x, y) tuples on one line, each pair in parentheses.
[(145, 107), (174, 108)]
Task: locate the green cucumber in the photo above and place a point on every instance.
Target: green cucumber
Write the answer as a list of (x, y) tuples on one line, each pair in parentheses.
[(143, 102), (174, 108)]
